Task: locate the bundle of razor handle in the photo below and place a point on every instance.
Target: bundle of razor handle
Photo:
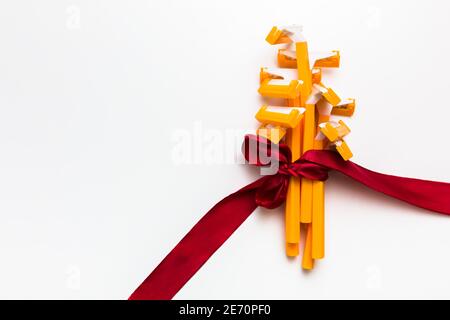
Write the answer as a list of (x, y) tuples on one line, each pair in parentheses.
[(303, 121)]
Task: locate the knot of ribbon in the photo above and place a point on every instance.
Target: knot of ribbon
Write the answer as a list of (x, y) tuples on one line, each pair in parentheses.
[(272, 192)]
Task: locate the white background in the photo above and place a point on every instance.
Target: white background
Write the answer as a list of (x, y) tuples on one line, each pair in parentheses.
[(91, 93)]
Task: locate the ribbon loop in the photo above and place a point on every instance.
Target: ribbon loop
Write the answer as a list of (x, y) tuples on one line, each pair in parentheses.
[(272, 192)]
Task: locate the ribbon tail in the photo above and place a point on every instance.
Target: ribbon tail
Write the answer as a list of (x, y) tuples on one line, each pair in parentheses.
[(430, 195), (198, 245)]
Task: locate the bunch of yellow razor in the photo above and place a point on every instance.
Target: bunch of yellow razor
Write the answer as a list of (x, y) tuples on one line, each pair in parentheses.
[(303, 123)]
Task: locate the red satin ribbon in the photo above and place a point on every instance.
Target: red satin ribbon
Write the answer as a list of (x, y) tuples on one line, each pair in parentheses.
[(225, 217)]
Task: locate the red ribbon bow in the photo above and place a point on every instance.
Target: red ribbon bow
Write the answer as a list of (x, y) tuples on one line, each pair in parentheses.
[(273, 189), (225, 217)]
